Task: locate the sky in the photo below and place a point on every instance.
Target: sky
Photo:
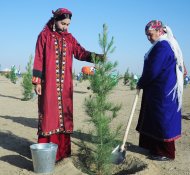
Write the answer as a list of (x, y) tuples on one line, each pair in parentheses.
[(22, 21)]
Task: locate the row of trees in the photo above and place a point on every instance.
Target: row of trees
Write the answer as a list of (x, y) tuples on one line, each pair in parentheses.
[(27, 86), (128, 79)]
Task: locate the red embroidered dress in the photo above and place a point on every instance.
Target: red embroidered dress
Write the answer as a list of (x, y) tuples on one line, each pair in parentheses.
[(53, 69)]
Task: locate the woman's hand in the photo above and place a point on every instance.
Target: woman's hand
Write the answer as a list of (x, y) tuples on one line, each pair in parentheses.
[(38, 89)]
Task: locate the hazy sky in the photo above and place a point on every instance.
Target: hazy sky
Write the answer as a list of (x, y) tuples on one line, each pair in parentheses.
[(22, 21)]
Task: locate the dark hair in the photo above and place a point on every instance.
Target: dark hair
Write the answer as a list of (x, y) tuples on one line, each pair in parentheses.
[(63, 16)]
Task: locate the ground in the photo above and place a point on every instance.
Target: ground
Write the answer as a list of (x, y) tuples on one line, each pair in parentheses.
[(18, 127)]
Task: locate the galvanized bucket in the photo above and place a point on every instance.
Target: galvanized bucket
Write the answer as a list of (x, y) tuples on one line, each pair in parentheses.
[(43, 157)]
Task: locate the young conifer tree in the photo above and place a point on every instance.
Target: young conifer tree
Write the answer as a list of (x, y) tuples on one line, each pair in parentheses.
[(126, 77), (27, 81), (101, 111), (12, 75), (132, 83)]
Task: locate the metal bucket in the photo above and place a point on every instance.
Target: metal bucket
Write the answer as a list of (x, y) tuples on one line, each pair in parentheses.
[(43, 157)]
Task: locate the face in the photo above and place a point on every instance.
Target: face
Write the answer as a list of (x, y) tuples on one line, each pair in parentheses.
[(153, 35), (63, 25)]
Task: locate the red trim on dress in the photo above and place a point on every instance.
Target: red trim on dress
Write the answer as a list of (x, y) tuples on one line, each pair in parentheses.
[(36, 80)]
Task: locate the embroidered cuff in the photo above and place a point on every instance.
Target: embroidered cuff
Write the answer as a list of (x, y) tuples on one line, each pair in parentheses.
[(37, 73), (36, 80)]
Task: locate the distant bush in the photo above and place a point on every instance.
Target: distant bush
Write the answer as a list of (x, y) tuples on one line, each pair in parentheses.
[(130, 79), (6, 74), (126, 77)]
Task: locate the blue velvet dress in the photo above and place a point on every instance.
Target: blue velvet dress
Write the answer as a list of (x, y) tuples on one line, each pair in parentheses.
[(158, 117)]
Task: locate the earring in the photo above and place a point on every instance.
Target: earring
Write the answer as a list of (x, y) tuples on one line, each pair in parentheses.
[(54, 29)]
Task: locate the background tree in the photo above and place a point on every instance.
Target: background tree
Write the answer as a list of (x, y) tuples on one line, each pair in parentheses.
[(133, 82), (126, 77), (130, 79), (12, 74), (27, 81), (97, 157)]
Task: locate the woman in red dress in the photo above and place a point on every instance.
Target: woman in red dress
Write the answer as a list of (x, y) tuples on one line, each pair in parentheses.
[(52, 77)]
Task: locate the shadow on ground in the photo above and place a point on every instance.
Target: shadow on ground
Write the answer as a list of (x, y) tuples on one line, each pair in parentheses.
[(30, 122), (85, 137), (20, 146), (80, 92), (8, 96)]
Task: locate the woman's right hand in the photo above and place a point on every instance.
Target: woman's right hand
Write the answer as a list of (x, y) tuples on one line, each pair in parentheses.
[(38, 89)]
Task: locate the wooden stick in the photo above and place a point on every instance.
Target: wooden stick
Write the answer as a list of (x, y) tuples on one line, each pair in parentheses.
[(130, 120)]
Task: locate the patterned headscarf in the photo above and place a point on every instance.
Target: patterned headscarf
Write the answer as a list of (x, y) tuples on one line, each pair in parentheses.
[(155, 25), (62, 13)]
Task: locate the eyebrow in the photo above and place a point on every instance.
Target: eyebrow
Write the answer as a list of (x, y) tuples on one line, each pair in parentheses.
[(65, 23)]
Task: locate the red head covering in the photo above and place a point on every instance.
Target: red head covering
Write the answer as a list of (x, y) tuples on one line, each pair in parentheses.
[(61, 11), (155, 25)]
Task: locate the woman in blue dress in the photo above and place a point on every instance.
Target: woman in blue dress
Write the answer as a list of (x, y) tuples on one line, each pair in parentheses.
[(159, 121)]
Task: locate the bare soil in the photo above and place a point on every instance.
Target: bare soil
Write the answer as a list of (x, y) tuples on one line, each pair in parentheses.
[(18, 128)]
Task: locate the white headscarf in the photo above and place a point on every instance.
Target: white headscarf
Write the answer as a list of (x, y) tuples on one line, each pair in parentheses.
[(177, 90)]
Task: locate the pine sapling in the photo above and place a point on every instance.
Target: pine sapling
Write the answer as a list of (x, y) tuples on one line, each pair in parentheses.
[(101, 111), (27, 81)]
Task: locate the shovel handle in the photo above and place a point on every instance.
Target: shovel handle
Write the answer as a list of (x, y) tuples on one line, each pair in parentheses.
[(130, 120)]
